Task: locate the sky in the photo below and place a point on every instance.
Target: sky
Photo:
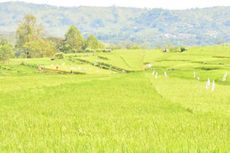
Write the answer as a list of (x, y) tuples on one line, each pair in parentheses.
[(166, 4)]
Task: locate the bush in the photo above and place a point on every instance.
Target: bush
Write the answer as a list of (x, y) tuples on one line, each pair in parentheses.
[(177, 49), (89, 50), (93, 43), (59, 56), (108, 50), (183, 49), (6, 51), (39, 48)]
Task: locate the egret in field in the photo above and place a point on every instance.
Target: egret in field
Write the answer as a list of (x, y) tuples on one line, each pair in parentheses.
[(208, 84), (79, 68), (198, 78), (165, 74), (194, 74), (213, 85), (156, 75), (40, 68), (72, 68), (149, 66), (225, 76)]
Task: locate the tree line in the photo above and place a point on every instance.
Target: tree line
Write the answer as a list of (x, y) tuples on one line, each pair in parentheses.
[(32, 43)]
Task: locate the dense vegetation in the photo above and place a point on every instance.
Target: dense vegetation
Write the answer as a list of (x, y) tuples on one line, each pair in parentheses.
[(149, 27), (6, 51), (31, 42), (117, 103)]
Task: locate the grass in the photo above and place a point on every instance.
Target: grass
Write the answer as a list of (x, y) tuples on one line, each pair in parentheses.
[(103, 111)]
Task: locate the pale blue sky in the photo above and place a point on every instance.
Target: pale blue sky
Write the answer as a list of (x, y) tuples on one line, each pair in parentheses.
[(169, 4)]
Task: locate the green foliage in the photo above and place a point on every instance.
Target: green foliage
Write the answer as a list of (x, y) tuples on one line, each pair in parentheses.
[(93, 43), (58, 42), (6, 51), (27, 31), (175, 49), (39, 48), (59, 56), (74, 41), (183, 49)]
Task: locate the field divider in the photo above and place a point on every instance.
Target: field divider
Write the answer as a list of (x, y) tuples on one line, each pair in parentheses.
[(104, 66), (45, 69)]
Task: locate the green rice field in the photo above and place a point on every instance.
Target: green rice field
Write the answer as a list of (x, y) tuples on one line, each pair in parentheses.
[(126, 101)]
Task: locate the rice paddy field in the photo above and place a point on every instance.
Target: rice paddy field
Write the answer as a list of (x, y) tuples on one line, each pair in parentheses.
[(126, 101)]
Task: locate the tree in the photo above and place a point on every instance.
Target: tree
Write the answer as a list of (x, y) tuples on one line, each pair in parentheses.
[(30, 41), (6, 50), (58, 42), (39, 48), (93, 43), (74, 41), (27, 31)]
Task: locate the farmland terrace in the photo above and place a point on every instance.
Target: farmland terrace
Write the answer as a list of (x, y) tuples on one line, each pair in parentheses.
[(123, 101)]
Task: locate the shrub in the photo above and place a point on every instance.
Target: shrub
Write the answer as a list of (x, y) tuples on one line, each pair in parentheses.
[(89, 50), (59, 56), (183, 49), (39, 48), (6, 51), (177, 49), (93, 43)]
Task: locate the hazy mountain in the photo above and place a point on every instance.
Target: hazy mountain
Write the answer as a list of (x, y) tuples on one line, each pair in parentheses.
[(152, 27)]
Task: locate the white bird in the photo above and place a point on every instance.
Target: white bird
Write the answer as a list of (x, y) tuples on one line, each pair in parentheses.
[(156, 75), (213, 85), (225, 76), (194, 74), (166, 75), (72, 68), (208, 84), (198, 78), (153, 74), (149, 66)]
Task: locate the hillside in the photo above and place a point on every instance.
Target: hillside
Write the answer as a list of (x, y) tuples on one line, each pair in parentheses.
[(152, 27)]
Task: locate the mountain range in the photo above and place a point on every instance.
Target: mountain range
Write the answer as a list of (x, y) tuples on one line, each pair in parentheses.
[(149, 27)]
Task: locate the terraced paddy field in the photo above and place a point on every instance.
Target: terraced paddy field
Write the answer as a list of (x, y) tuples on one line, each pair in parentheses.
[(117, 102)]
